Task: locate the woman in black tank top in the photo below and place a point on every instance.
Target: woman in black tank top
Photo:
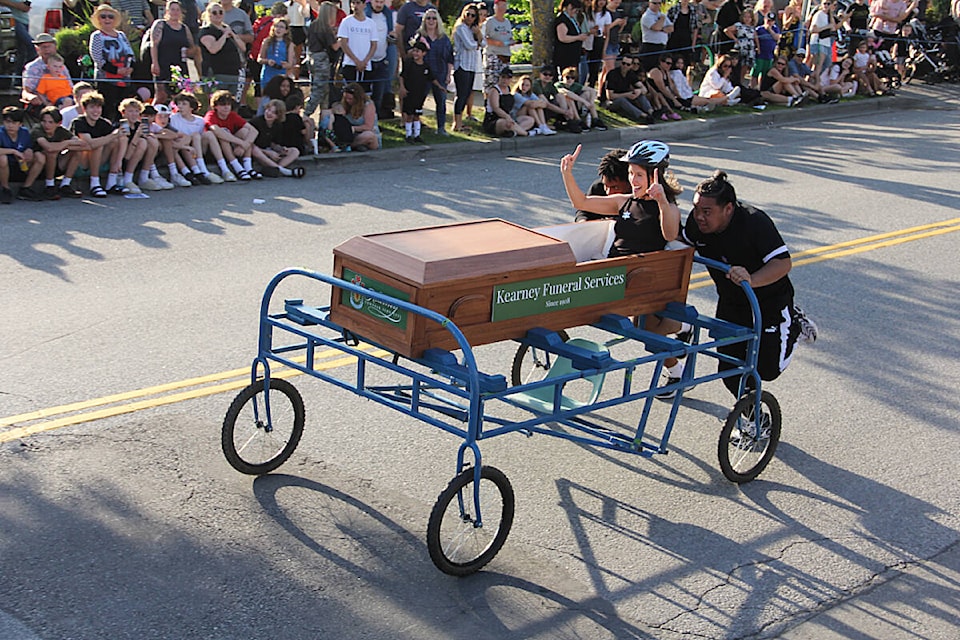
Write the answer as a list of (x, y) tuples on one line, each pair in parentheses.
[(647, 218)]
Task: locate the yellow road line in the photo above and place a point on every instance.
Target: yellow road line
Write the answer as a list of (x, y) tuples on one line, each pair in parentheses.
[(21, 432), (148, 391), (809, 256)]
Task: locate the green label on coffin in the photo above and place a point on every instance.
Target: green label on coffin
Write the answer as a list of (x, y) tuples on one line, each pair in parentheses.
[(383, 311), (533, 297)]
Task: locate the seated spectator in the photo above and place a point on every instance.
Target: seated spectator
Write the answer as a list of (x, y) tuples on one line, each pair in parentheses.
[(809, 80), (584, 98), (864, 69), (18, 162), (679, 77), (103, 141), (716, 87), (361, 114), (558, 107), (527, 103), (69, 113), (268, 150), (279, 88), (235, 136), (659, 81), (60, 148), (184, 121), (840, 74), (626, 94), (175, 147), (297, 130), (55, 84), (498, 121), (141, 151), (778, 87)]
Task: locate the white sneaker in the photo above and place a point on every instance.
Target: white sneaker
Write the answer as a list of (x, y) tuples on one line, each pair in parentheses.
[(229, 177), (214, 178), (734, 94), (131, 188), (148, 185), (180, 181), (547, 131), (533, 132), (732, 101), (791, 101), (162, 182)]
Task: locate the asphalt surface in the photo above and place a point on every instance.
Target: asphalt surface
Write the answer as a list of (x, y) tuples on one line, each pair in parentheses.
[(134, 526)]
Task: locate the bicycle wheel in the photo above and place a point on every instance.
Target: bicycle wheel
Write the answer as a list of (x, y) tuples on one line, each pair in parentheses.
[(531, 364), (456, 544), (255, 442), (746, 447)]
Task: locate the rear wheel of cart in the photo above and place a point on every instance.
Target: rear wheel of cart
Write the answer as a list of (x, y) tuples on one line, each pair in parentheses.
[(256, 441), (458, 545), (531, 364), (747, 445)]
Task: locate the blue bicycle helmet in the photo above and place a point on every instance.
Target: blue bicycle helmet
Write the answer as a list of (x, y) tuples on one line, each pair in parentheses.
[(652, 154)]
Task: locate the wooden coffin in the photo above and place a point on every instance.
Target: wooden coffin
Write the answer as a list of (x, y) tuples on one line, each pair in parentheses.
[(496, 280)]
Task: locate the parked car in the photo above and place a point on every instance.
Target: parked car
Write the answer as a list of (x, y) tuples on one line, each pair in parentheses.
[(46, 16)]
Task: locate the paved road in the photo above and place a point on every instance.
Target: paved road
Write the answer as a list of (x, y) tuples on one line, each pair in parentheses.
[(133, 526)]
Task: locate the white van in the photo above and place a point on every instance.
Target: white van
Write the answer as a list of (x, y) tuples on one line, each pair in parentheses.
[(46, 16)]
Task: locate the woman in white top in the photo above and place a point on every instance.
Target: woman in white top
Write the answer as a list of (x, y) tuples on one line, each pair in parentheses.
[(297, 10), (716, 88), (467, 61)]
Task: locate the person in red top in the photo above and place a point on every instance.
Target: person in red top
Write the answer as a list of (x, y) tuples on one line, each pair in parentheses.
[(236, 137)]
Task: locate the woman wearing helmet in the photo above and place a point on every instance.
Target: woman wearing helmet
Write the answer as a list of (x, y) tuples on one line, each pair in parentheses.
[(648, 216)]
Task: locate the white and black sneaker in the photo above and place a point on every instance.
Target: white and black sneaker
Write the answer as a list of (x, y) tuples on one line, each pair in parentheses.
[(668, 394), (808, 328)]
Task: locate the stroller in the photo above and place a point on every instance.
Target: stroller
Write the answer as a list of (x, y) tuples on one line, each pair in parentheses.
[(886, 70), (934, 52)]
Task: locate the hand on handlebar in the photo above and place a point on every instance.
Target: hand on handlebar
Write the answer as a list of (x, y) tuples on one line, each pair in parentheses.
[(738, 275)]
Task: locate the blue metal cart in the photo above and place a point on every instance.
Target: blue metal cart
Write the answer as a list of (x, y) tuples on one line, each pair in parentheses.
[(447, 390)]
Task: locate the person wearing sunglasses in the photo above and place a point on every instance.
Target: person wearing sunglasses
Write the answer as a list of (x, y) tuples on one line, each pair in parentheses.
[(716, 89), (655, 30), (467, 40), (626, 93), (222, 48), (112, 57)]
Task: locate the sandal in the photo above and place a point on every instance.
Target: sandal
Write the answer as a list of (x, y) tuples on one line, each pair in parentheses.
[(299, 172), (244, 176), (256, 175), (98, 192)]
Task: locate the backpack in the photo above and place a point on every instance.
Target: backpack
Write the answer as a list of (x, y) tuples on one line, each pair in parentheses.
[(261, 30)]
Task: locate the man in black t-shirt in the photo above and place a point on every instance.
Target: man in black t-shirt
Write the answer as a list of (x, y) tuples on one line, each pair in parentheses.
[(723, 229), (627, 95), (105, 142)]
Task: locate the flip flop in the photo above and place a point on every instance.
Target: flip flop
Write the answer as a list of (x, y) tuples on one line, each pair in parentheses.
[(244, 176), (98, 192), (299, 172), (256, 175)]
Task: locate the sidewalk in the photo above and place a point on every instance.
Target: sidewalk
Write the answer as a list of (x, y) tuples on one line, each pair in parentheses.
[(909, 97)]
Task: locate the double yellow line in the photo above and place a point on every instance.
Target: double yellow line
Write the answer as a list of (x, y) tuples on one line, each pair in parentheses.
[(853, 247), (33, 422), (157, 396)]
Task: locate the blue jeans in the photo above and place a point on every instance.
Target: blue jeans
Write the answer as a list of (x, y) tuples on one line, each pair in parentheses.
[(25, 49)]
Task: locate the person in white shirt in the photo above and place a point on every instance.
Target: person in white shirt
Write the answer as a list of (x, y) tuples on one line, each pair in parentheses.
[(358, 41)]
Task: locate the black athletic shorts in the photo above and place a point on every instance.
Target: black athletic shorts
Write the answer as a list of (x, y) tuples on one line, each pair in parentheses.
[(779, 337)]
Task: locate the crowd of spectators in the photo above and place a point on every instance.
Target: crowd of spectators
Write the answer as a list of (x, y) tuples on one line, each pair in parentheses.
[(696, 56)]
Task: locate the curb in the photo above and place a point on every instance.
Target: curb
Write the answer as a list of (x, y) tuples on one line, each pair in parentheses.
[(625, 136)]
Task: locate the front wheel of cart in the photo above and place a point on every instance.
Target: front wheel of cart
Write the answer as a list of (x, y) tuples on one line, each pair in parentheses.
[(531, 364), (459, 542), (747, 445), (255, 440)]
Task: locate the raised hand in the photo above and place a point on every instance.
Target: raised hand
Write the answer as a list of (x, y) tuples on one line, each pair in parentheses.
[(567, 161), (655, 189)]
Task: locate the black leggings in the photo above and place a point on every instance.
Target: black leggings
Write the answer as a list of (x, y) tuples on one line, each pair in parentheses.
[(463, 81)]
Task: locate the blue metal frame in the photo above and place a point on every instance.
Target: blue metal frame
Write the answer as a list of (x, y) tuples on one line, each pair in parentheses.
[(446, 392)]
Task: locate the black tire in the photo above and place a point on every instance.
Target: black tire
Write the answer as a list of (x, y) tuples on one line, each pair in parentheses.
[(456, 546), (532, 364), (743, 449), (251, 443)]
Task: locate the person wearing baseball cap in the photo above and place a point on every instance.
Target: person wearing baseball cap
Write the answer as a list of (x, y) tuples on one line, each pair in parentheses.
[(768, 37), (44, 46)]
